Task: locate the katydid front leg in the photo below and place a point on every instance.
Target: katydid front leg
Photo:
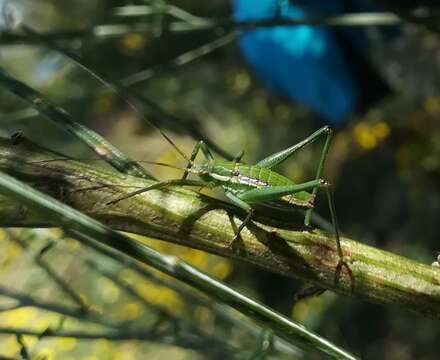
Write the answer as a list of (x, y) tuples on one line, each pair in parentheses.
[(206, 152)]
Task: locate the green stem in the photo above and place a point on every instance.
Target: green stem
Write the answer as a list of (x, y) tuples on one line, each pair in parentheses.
[(62, 118), (185, 217)]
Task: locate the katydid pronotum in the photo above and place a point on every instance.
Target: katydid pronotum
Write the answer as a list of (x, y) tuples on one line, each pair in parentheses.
[(245, 185)]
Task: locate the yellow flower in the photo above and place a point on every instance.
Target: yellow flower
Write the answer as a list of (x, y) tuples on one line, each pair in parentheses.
[(364, 136), (381, 130), (132, 43), (20, 317), (241, 82), (222, 270), (302, 309)]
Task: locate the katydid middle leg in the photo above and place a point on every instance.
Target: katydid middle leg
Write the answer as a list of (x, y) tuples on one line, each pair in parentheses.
[(246, 198), (276, 192), (243, 205)]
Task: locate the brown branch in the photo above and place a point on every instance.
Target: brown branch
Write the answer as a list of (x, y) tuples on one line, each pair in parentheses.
[(185, 217)]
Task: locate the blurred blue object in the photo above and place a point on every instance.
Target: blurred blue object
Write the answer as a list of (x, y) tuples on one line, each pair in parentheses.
[(323, 68)]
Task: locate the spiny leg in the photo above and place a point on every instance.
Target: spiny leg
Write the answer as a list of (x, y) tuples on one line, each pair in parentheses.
[(276, 192), (329, 135), (324, 152), (331, 205), (159, 185), (283, 155), (342, 262)]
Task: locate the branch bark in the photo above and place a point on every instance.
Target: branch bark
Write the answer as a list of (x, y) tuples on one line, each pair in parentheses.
[(188, 218)]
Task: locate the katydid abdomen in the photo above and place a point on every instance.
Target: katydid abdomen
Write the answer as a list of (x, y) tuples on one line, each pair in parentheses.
[(238, 178)]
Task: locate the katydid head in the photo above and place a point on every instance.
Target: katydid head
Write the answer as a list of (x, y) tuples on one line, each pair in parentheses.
[(202, 169)]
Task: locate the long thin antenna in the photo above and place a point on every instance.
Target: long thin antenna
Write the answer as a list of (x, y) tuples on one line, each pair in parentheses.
[(122, 94), (162, 164), (97, 159)]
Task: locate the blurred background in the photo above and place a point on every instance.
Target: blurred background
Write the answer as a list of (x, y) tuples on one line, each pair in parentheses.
[(379, 88)]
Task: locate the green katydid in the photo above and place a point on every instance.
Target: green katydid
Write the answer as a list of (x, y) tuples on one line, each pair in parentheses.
[(245, 185)]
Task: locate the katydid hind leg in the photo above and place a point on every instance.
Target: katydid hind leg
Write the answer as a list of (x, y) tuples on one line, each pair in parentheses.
[(244, 199), (283, 155), (277, 158), (331, 205), (342, 261), (330, 198), (320, 170), (276, 192)]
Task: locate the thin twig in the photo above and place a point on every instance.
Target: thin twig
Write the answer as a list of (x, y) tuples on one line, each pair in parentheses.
[(65, 120), (136, 102), (73, 312), (190, 219), (222, 312), (110, 31), (180, 60), (58, 280), (185, 341), (180, 324)]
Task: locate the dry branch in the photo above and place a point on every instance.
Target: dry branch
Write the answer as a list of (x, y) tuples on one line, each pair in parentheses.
[(188, 218)]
